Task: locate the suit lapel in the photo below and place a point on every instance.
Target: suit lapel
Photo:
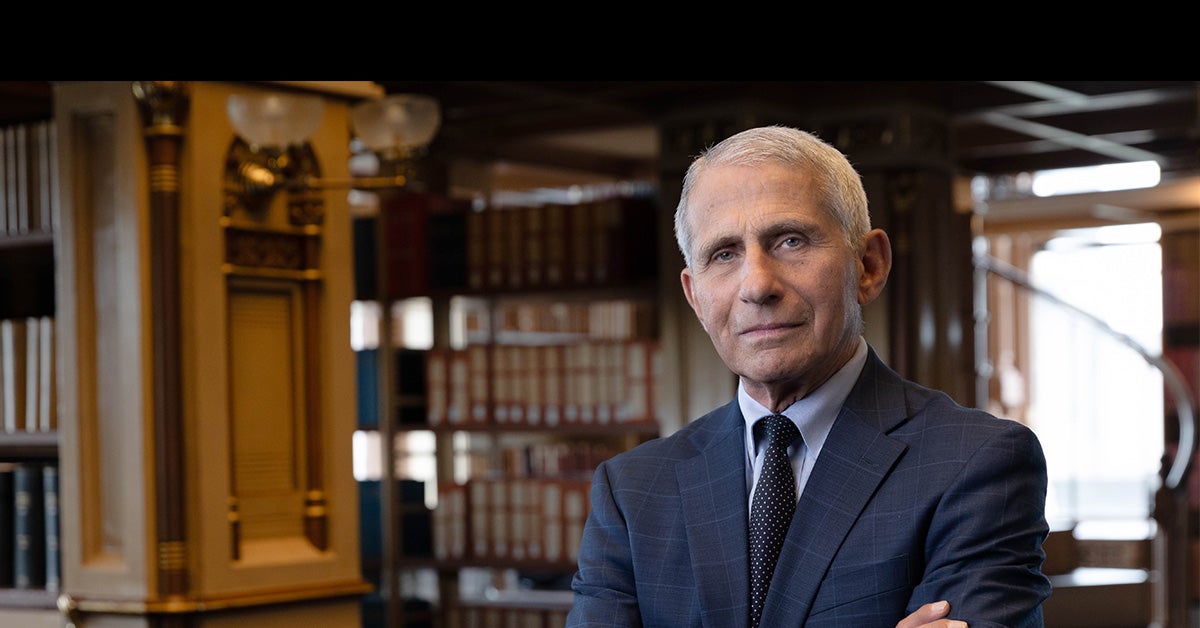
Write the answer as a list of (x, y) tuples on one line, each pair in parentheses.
[(712, 487), (856, 457)]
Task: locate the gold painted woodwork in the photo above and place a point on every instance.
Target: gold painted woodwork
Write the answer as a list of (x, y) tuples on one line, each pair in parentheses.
[(239, 551)]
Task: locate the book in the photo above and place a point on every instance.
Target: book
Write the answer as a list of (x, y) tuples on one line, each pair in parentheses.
[(20, 139), (405, 224), (459, 387), (416, 520), (515, 247), (7, 517), (580, 243), (495, 248), (574, 513), (366, 286), (437, 386), (550, 499), (479, 381), (476, 250), (47, 387), (556, 261), (4, 229), (448, 245), (367, 376), (33, 373), (12, 190), (409, 386), (52, 170), (534, 237), (29, 527), (53, 560), (43, 168), (370, 533), (450, 519), (13, 361)]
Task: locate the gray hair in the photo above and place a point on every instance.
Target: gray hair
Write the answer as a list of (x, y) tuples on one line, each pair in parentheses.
[(838, 186)]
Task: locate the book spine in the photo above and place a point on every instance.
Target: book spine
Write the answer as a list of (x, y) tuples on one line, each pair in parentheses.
[(367, 374), (406, 229), (13, 360), (53, 560), (437, 387), (7, 520), (33, 354), (10, 180), (29, 534), (47, 382)]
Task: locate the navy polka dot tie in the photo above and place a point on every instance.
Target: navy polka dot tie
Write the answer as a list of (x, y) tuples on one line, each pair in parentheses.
[(772, 508)]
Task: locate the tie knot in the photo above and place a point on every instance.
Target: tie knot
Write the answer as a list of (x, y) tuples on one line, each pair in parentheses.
[(778, 429)]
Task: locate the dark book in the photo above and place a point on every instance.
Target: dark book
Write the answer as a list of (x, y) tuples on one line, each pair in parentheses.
[(416, 520), (366, 286), (404, 219), (370, 533), (50, 510), (7, 517), (29, 527), (368, 388), (448, 246), (410, 388)]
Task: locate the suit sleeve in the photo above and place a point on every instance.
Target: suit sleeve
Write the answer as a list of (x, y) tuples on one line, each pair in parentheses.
[(605, 593), (984, 552)]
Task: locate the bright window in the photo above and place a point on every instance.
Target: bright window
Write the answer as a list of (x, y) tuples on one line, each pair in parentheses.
[(1095, 402)]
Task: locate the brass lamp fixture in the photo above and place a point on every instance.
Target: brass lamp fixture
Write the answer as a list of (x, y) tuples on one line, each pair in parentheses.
[(396, 128), (271, 153)]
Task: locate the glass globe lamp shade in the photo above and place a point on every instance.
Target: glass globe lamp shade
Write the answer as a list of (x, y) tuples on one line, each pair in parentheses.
[(273, 120), (398, 122)]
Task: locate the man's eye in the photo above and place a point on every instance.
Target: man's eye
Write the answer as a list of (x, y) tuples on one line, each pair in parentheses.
[(792, 242), (723, 256)]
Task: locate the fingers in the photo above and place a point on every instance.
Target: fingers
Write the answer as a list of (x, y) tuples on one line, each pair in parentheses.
[(931, 615)]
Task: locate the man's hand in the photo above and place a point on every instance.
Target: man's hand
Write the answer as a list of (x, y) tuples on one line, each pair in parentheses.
[(932, 615)]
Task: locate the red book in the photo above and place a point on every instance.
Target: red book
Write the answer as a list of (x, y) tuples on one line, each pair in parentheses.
[(405, 218)]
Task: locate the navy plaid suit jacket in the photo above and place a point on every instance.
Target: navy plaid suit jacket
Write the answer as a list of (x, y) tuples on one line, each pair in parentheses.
[(913, 499)]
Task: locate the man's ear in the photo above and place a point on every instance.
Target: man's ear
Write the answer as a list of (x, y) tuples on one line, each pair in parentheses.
[(689, 292), (875, 263)]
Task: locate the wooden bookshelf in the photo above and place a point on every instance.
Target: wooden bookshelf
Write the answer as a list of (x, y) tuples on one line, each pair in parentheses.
[(543, 360)]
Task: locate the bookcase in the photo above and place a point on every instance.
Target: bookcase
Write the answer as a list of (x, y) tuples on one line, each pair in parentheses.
[(30, 565), (537, 356)]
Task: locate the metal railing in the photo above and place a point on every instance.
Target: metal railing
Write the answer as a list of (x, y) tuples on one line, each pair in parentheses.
[(1171, 499)]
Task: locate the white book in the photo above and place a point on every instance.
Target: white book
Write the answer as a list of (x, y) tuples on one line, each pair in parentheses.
[(32, 372), (12, 368)]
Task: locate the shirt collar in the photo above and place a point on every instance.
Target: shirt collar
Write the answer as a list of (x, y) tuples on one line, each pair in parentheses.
[(815, 413)]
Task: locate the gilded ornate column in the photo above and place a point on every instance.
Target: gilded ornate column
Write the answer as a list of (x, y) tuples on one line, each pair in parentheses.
[(164, 107)]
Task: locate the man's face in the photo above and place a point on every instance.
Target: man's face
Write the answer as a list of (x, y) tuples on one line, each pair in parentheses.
[(773, 280)]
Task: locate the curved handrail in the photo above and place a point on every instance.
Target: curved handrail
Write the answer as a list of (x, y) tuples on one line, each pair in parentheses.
[(1176, 477)]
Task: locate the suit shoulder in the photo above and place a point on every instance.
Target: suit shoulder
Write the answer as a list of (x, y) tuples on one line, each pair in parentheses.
[(683, 443)]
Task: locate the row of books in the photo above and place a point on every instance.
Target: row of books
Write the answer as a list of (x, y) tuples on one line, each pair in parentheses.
[(528, 322), (435, 243), (513, 608), (586, 383), (555, 458), (29, 526), (508, 617), (28, 178), (531, 520), (28, 389)]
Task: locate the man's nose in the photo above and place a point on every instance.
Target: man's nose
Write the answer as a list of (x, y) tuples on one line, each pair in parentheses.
[(760, 277)]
